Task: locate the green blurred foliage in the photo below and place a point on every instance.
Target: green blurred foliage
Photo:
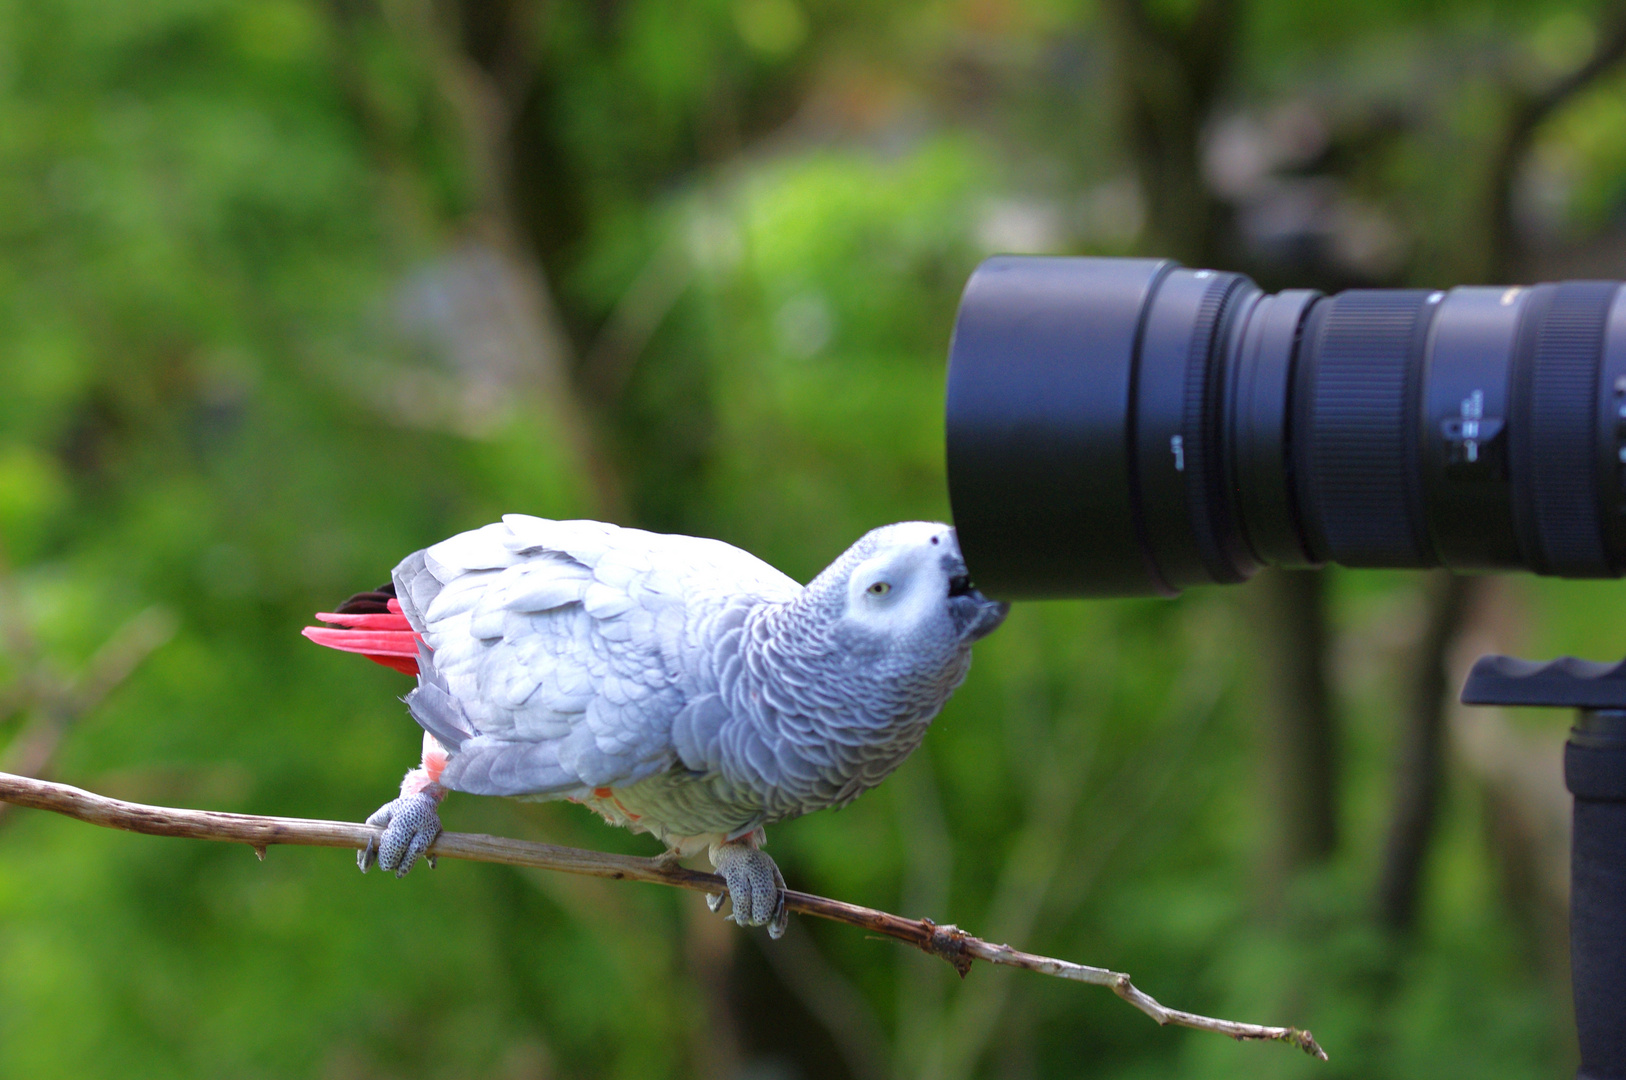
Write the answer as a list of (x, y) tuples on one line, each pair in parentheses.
[(211, 218)]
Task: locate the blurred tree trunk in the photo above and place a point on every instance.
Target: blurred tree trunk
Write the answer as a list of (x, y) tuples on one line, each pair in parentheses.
[(1168, 77), (1419, 765), (490, 78), (1297, 721), (479, 57), (1518, 772), (645, 449), (1527, 110)]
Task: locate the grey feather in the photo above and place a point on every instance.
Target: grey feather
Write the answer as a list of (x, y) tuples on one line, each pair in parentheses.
[(434, 708), (438, 713)]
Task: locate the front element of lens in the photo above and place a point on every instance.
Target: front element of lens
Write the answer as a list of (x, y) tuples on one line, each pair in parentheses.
[(1118, 427)]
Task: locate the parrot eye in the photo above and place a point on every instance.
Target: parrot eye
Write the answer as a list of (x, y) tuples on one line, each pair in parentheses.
[(880, 588)]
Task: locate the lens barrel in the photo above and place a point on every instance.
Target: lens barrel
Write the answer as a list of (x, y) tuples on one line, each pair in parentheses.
[(1120, 427)]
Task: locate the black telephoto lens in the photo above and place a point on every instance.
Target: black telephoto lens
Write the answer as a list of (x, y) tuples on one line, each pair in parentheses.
[(1119, 427)]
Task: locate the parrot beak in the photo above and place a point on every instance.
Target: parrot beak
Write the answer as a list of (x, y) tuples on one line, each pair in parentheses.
[(989, 614), (975, 615)]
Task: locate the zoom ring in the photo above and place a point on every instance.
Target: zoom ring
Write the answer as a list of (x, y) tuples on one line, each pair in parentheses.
[(1359, 484), (1562, 392)]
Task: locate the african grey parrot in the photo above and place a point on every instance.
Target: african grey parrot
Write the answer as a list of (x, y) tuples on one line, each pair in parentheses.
[(678, 686)]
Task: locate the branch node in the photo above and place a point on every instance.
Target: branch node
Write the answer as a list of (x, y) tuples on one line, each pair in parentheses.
[(947, 942), (259, 851)]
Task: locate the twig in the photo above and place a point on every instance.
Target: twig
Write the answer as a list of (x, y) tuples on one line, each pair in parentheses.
[(948, 942), (17, 641), (62, 702), (610, 361)]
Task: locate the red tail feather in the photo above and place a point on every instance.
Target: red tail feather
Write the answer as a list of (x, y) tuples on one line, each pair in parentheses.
[(384, 639)]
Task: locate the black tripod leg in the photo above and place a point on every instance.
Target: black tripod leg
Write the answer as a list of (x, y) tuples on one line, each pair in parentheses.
[(1595, 771)]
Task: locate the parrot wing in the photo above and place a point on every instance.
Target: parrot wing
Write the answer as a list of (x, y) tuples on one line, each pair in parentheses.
[(557, 653)]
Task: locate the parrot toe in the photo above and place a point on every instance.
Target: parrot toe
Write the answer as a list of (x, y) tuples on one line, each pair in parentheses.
[(755, 887), (410, 825)]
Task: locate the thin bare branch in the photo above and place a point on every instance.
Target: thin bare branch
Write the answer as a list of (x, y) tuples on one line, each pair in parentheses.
[(61, 703), (145, 633), (611, 359), (947, 942), (18, 644)]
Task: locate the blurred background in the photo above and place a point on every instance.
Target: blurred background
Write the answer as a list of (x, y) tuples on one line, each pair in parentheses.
[(289, 289)]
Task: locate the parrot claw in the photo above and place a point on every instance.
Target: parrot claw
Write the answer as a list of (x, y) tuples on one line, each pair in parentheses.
[(410, 825), (781, 920), (755, 886)]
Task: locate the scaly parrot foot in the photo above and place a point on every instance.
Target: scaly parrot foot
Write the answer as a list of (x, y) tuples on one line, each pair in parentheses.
[(755, 887), (410, 825)]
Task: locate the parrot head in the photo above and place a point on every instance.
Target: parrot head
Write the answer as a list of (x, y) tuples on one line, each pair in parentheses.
[(908, 583)]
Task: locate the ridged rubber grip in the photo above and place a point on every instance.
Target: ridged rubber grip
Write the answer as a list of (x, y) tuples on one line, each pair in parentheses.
[(1555, 446), (1355, 442)]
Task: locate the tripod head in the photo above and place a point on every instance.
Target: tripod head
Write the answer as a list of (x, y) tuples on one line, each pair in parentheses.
[(1595, 772), (1565, 683)]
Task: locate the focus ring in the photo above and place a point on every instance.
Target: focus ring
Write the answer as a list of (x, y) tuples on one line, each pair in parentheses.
[(1356, 439), (1561, 394), (1205, 489)]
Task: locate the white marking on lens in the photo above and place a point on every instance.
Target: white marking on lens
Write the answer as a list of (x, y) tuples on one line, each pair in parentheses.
[(1179, 447)]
